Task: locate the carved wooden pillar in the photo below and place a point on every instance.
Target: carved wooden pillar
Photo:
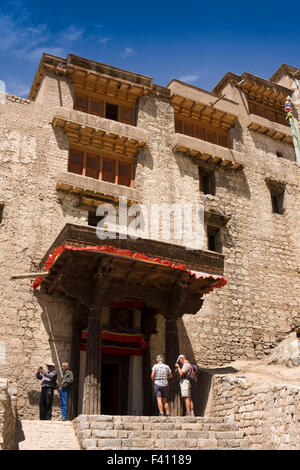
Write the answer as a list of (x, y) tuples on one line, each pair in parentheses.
[(172, 353), (92, 382)]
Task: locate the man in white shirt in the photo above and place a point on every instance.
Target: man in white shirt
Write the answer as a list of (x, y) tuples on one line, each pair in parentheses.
[(160, 375)]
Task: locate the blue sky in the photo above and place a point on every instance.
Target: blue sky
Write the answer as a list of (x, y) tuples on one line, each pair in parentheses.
[(197, 42)]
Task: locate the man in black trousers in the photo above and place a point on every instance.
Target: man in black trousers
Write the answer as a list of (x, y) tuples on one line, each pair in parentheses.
[(49, 384)]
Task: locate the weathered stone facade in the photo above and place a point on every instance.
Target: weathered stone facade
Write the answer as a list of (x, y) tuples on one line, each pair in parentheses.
[(243, 320), (267, 415)]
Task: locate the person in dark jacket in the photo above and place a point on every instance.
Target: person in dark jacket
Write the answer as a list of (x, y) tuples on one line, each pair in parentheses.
[(64, 390), (49, 384)]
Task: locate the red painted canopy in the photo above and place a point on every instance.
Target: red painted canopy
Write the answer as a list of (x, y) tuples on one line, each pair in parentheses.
[(220, 280)]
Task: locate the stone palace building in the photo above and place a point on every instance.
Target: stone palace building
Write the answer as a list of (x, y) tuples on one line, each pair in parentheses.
[(91, 134)]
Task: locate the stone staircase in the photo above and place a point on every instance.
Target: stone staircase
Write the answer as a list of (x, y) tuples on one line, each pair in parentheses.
[(103, 432), (46, 435)]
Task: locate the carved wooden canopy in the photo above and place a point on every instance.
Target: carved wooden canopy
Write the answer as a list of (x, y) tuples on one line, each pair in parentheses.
[(78, 271)]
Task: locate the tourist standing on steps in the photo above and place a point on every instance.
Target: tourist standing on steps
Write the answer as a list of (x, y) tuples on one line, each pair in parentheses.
[(64, 390), (49, 384), (160, 375), (185, 384)]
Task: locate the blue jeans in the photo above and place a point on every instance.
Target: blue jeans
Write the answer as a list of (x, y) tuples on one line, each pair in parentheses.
[(64, 397)]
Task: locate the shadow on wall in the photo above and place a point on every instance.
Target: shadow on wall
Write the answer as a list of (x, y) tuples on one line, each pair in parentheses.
[(61, 139), (233, 182), (57, 327), (34, 398), (201, 389), (145, 159)]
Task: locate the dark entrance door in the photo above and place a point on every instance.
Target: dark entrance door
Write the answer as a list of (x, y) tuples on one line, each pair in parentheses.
[(114, 385)]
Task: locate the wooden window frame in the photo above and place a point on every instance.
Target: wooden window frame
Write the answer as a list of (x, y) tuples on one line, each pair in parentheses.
[(201, 129), (253, 106), (121, 104), (101, 156)]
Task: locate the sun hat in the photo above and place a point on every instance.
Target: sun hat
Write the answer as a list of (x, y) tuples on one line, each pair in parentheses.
[(180, 357), (49, 363), (159, 357)]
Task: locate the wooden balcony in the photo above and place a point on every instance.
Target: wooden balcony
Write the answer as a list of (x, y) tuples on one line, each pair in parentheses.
[(214, 154), (94, 192), (272, 129), (99, 133)]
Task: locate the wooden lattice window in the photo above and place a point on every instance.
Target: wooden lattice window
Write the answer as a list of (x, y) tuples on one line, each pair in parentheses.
[(215, 136), (127, 115), (76, 161), (112, 170), (104, 108), (272, 115)]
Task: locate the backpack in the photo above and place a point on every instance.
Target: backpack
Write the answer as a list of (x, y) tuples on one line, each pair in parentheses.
[(192, 376)]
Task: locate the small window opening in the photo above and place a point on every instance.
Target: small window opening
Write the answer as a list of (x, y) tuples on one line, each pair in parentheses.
[(214, 239), (279, 154), (207, 182), (111, 111), (277, 201), (93, 219), (1, 212)]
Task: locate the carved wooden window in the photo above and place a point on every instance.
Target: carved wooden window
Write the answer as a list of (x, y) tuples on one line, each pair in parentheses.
[(92, 166), (109, 170), (188, 129), (272, 115), (215, 136), (127, 115), (105, 108), (211, 137), (89, 105), (124, 174), (112, 170), (76, 162)]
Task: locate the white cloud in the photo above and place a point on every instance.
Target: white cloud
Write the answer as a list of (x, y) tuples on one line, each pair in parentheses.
[(189, 78), (128, 52), (70, 35), (104, 40), (23, 39)]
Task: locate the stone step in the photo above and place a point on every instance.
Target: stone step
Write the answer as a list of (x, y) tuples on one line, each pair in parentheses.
[(144, 432), (46, 435)]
